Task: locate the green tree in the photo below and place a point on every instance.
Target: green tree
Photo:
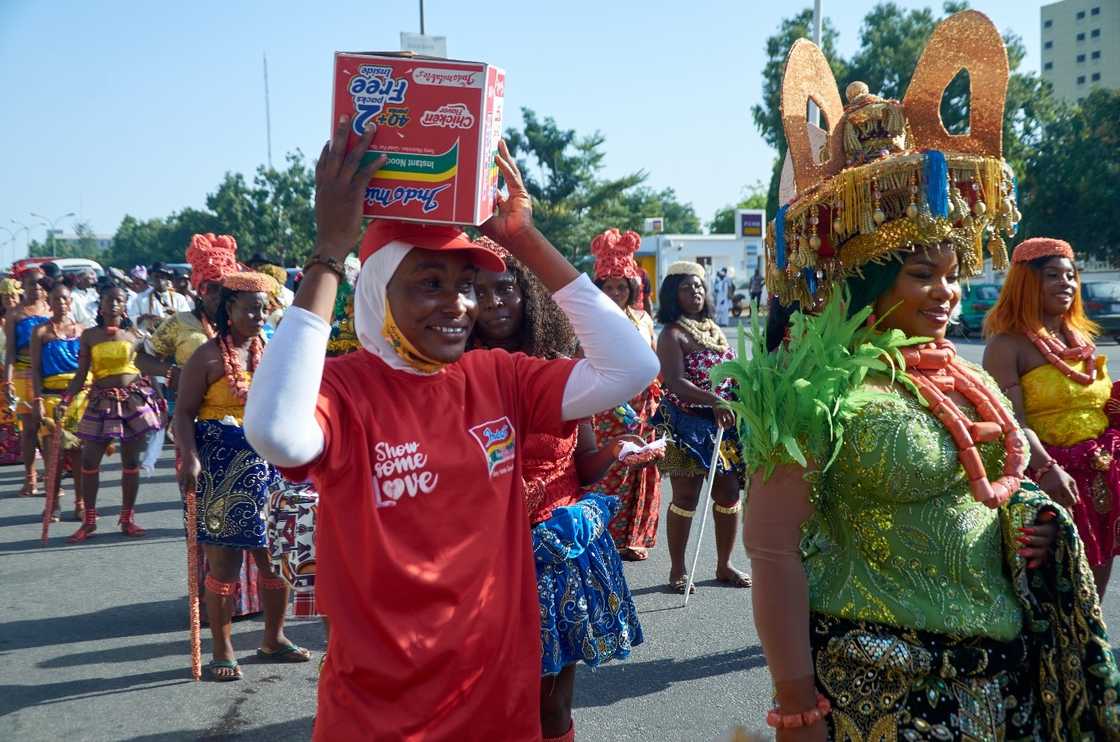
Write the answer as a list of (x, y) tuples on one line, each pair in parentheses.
[(754, 197), (1071, 183)]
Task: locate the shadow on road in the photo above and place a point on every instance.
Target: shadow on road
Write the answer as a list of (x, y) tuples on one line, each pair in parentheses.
[(15, 697), (114, 622), (296, 729), (613, 683), (106, 537)]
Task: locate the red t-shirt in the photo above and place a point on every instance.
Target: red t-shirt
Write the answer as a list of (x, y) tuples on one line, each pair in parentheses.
[(425, 564)]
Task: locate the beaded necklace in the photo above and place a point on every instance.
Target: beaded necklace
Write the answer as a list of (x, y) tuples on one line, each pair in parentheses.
[(231, 359), (934, 369), (706, 333), (1056, 354)]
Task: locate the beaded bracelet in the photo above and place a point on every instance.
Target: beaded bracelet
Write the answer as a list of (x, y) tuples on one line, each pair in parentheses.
[(334, 265), (776, 719)]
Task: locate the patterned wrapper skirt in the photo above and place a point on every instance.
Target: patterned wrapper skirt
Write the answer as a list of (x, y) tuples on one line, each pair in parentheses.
[(24, 388), (293, 510), (70, 421), (120, 413), (233, 488), (587, 613), (891, 683), (1095, 466), (691, 439)]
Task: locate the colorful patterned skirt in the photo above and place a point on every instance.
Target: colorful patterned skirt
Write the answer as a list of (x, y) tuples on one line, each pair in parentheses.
[(638, 489), (692, 438), (1095, 466), (587, 613), (70, 421), (11, 451), (890, 683), (233, 488), (120, 413)]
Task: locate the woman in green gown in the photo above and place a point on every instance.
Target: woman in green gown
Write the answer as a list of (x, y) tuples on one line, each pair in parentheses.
[(910, 581)]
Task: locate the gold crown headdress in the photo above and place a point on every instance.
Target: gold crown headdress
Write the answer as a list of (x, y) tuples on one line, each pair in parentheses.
[(888, 175)]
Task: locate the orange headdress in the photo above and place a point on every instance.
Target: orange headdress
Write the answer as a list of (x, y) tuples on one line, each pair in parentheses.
[(250, 281), (614, 254), (212, 257), (885, 175), (1041, 247)]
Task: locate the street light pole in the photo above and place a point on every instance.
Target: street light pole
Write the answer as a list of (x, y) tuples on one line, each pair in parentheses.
[(818, 22), (421, 17), (26, 235), (50, 224)]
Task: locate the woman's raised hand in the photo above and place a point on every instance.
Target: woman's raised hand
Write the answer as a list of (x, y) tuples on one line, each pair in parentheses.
[(340, 189), (514, 215)]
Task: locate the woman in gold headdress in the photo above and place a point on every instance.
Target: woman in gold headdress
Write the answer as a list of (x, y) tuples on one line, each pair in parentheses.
[(910, 582)]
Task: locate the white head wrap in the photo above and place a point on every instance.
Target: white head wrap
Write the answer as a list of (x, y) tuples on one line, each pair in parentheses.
[(370, 299)]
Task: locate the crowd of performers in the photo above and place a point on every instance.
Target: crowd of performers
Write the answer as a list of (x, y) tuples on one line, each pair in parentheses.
[(929, 539)]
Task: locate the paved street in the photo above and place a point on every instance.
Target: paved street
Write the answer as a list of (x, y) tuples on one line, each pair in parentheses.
[(94, 641)]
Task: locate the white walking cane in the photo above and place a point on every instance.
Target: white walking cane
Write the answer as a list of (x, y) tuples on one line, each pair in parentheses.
[(708, 483)]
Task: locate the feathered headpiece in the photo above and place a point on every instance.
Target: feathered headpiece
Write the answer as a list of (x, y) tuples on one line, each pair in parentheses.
[(212, 257), (885, 175), (614, 254)]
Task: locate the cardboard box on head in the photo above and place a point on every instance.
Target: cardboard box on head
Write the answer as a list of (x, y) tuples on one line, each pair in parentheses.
[(439, 123)]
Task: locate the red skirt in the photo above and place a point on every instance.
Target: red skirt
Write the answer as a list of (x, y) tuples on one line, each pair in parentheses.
[(1095, 466)]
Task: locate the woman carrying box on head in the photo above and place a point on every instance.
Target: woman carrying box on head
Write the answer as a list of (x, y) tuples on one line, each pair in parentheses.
[(424, 564)]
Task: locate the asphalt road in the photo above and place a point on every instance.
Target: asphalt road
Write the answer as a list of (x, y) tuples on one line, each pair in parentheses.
[(94, 643)]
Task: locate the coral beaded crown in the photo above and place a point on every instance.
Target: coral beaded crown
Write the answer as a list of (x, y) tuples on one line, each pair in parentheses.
[(888, 175)]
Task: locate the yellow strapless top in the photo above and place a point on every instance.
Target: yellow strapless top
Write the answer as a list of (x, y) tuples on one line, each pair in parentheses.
[(220, 401), (1062, 411), (113, 357)]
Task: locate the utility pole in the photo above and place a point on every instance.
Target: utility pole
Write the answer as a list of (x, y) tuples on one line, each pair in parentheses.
[(814, 112), (421, 17), (267, 112)]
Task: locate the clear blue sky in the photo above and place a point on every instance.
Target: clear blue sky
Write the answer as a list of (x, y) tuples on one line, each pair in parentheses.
[(125, 107)]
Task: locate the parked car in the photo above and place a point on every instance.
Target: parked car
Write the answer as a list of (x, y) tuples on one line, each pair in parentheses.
[(1102, 304), (976, 300), (66, 265)]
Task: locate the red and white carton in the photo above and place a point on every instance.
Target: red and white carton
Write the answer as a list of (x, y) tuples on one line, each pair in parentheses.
[(439, 122)]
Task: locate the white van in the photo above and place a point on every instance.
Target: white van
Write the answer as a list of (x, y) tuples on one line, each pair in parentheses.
[(73, 265)]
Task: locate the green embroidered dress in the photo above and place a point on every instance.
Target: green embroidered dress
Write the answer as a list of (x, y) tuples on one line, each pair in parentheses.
[(925, 622)]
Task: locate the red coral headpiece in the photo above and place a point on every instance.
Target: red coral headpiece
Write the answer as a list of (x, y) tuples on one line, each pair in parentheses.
[(212, 257), (614, 254), (1041, 247)]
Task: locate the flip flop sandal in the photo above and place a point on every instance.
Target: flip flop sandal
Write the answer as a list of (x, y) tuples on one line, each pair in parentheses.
[(215, 667), (680, 584), (286, 653), (633, 555), (739, 580)]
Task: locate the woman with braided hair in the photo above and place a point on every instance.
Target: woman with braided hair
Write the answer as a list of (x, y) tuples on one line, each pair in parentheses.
[(230, 479), (638, 490), (122, 406), (586, 610)]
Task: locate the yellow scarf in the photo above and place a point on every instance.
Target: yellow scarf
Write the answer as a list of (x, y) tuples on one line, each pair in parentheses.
[(405, 349)]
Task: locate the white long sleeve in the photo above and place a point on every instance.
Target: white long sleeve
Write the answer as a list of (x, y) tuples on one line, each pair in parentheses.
[(618, 362), (280, 412)]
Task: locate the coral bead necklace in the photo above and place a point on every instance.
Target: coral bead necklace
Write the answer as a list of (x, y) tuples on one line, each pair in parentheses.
[(934, 369), (231, 359), (1057, 354)]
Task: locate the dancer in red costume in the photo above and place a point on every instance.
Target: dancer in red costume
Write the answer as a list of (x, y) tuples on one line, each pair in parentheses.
[(424, 552), (634, 528)]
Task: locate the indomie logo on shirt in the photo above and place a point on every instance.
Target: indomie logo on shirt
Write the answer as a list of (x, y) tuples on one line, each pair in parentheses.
[(498, 444)]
